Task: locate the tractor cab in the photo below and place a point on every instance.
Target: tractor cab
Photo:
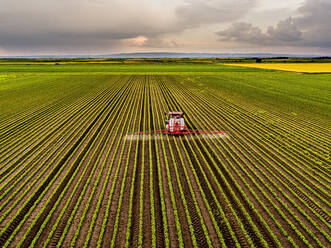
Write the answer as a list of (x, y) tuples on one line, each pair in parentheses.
[(175, 123)]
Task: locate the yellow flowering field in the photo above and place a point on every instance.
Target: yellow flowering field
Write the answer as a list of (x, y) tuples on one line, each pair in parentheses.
[(297, 67)]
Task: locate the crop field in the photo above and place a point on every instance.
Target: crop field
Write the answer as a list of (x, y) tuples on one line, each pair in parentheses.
[(297, 67), (73, 174)]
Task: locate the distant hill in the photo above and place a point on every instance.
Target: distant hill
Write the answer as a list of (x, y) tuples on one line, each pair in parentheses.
[(170, 55), (202, 55)]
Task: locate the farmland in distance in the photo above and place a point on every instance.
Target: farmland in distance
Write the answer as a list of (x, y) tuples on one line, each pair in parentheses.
[(296, 67), (73, 173)]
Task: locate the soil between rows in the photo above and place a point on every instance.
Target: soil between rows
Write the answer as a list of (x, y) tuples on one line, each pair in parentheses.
[(235, 173)]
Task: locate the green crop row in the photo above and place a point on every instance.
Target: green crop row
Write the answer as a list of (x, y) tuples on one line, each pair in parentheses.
[(39, 198), (115, 179), (211, 118), (15, 175), (71, 174), (63, 191), (118, 211), (159, 173), (247, 129), (87, 183), (170, 186), (101, 195), (69, 138), (247, 216)]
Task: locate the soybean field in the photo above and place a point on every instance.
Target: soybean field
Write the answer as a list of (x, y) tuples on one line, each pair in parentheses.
[(74, 173)]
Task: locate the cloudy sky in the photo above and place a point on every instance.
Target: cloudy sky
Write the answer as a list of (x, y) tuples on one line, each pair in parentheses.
[(38, 27)]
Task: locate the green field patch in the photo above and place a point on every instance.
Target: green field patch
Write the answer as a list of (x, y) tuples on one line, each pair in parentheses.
[(121, 68), (308, 94)]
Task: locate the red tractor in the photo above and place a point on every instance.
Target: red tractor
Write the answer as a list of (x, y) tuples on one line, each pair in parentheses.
[(176, 123)]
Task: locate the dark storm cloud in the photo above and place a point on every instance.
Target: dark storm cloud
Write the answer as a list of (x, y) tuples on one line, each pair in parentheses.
[(83, 26), (76, 24), (105, 24), (283, 33), (310, 29)]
